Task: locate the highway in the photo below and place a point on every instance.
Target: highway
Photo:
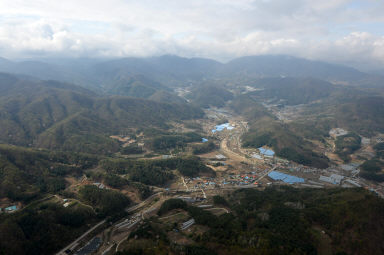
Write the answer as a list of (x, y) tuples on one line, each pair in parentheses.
[(135, 207), (75, 243)]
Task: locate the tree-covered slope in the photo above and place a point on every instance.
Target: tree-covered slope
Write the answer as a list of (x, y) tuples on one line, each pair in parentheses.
[(278, 220), (134, 86), (293, 91), (55, 115), (210, 95)]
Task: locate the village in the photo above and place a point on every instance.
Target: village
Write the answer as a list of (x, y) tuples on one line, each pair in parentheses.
[(235, 167)]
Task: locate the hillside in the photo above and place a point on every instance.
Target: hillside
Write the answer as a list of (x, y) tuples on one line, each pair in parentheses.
[(209, 95), (364, 115), (278, 220), (166, 97), (55, 115), (134, 86), (359, 111), (167, 69), (287, 139), (292, 91), (280, 65)]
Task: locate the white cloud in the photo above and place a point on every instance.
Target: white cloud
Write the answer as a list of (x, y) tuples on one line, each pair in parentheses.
[(221, 29)]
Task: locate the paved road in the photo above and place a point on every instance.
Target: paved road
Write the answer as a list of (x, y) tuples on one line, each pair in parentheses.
[(149, 199), (261, 177), (129, 209), (76, 242)]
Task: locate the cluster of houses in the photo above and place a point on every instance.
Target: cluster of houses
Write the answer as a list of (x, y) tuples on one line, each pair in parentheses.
[(206, 182)]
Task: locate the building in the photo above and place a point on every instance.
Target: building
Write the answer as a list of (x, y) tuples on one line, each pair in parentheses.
[(349, 167), (266, 152), (256, 156), (325, 179), (99, 185), (11, 208), (220, 156), (187, 199), (187, 224), (352, 183), (334, 178), (337, 178)]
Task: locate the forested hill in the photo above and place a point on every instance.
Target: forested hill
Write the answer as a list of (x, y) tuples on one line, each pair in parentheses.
[(55, 115), (293, 91), (176, 71), (278, 220)]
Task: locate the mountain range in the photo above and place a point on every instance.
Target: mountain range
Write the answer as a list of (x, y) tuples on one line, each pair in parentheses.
[(175, 71)]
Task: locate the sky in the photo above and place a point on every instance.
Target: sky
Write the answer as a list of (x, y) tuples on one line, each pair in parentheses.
[(350, 32)]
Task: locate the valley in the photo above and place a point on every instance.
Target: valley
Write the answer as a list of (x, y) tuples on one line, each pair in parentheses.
[(237, 168), (157, 127), (159, 162)]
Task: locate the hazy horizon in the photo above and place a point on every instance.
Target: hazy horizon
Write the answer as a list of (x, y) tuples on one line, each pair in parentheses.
[(343, 31)]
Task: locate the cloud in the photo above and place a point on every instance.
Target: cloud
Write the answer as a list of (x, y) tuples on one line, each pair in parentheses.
[(337, 30)]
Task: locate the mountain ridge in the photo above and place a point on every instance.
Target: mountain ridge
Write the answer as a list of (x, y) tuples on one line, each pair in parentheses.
[(171, 70)]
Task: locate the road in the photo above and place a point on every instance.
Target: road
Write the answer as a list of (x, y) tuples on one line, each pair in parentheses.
[(185, 184), (261, 177), (149, 199), (233, 138), (75, 243)]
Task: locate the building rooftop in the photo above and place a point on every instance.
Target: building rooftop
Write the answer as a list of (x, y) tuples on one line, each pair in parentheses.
[(11, 208), (266, 152), (285, 177)]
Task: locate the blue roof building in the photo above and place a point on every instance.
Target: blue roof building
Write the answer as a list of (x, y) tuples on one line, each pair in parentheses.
[(278, 176), (266, 152), (11, 208), (222, 127)]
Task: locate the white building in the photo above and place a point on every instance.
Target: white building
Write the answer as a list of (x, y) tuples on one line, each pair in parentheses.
[(334, 178)]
